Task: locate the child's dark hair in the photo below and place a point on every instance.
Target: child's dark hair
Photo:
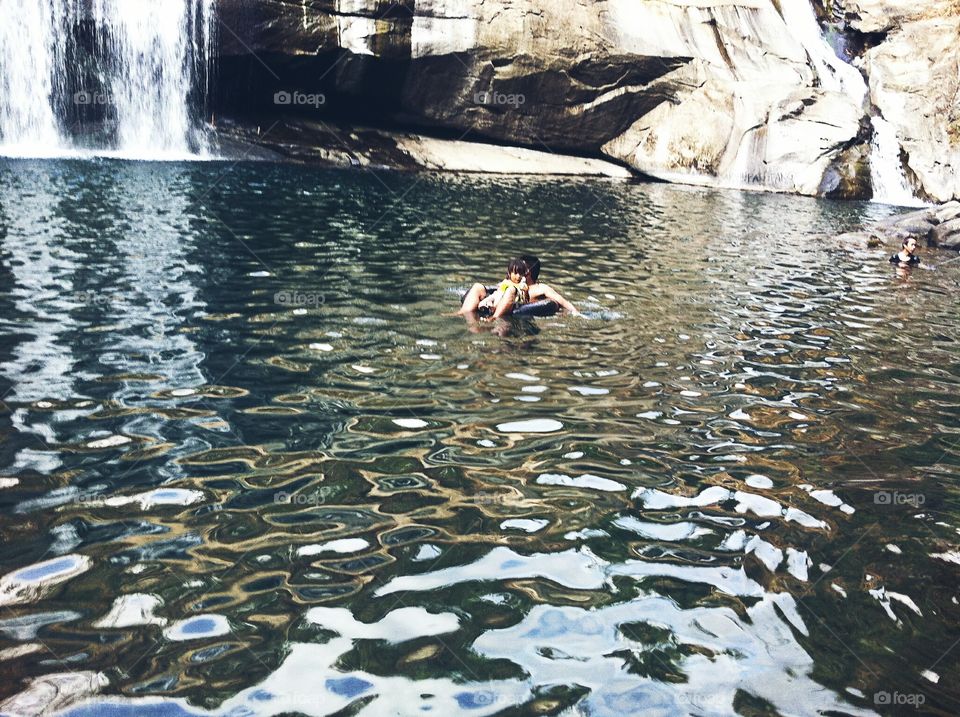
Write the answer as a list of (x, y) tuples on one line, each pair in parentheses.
[(518, 266), (533, 265)]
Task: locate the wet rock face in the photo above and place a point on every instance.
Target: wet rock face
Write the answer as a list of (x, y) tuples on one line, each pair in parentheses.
[(728, 93), (886, 15), (487, 69), (915, 83), (911, 63)]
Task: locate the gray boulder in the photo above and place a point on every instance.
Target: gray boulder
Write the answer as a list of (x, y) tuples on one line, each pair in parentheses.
[(936, 226), (946, 235)]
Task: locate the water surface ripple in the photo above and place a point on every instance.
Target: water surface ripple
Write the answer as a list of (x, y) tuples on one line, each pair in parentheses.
[(250, 465)]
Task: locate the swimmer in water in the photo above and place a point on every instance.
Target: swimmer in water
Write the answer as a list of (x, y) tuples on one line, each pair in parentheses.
[(511, 292), (907, 256), (479, 300), (540, 291)]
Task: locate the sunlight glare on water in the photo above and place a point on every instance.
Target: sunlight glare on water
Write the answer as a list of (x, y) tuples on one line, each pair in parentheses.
[(251, 464)]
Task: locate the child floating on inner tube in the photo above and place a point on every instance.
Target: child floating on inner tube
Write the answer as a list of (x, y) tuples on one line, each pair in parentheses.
[(520, 286), (511, 293)]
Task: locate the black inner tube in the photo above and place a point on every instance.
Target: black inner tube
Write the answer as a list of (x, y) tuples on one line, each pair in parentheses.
[(544, 307)]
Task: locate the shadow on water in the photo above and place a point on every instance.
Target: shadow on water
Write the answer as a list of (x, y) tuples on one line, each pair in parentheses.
[(249, 464)]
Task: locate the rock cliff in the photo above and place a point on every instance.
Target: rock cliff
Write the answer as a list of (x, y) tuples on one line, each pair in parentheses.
[(914, 76), (737, 93)]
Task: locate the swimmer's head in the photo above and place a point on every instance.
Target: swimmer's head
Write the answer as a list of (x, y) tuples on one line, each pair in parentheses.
[(516, 270), (533, 267), (910, 244)]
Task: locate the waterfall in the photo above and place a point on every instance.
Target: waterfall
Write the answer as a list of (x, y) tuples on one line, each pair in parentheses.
[(120, 78), (832, 75), (31, 53), (889, 181), (835, 75), (150, 50)]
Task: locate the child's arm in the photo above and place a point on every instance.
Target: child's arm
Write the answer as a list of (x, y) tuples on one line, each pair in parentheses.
[(545, 291)]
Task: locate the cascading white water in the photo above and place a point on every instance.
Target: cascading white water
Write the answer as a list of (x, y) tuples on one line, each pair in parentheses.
[(889, 181), (886, 171), (152, 73), (835, 74), (148, 64), (31, 48)]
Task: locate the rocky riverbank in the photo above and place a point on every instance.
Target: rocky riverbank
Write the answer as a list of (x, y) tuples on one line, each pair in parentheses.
[(933, 227), (344, 146)]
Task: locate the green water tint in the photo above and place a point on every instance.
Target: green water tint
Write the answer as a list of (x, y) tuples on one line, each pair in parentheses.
[(238, 390)]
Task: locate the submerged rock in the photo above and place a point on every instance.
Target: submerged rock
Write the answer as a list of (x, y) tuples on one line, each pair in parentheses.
[(945, 235)]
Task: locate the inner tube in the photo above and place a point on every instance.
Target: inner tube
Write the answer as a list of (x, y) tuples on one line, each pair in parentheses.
[(544, 307)]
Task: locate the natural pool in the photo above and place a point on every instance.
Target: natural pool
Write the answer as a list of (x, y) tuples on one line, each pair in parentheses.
[(249, 464)]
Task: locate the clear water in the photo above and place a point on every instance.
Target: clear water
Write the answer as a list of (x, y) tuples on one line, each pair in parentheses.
[(233, 394)]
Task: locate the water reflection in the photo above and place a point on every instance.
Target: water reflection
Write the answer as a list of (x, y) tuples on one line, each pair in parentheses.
[(41, 258), (280, 477)]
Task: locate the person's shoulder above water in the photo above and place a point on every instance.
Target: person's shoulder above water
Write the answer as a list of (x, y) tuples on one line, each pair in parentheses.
[(907, 254), (896, 259)]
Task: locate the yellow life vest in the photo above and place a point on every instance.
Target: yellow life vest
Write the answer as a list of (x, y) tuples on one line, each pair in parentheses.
[(523, 294)]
